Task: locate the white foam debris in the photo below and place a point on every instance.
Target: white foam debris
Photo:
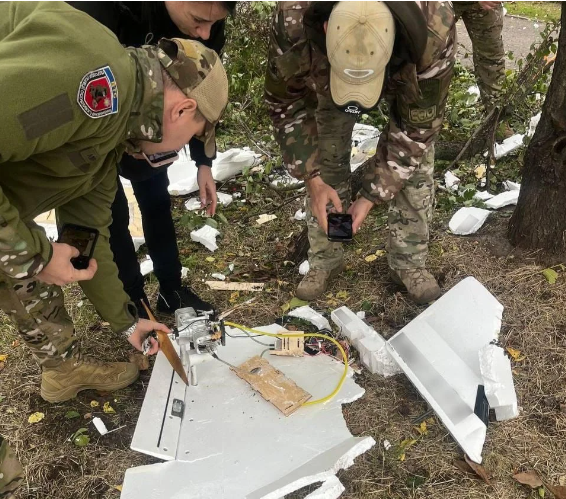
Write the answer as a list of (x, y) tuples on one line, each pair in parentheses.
[(468, 220), (304, 267), (206, 236)]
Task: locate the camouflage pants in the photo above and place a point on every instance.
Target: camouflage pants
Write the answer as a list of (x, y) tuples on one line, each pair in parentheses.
[(485, 28), (38, 310), (409, 212), (11, 472)]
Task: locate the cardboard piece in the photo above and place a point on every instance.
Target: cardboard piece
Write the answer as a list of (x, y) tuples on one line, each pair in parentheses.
[(272, 385), (235, 286)]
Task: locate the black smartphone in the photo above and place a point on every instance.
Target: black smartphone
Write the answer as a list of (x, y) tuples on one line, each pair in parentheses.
[(161, 158), (339, 227), (82, 238)]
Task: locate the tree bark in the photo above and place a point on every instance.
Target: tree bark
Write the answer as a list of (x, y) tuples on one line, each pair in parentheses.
[(539, 221)]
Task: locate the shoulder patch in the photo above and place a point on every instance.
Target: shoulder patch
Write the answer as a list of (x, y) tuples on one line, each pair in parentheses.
[(98, 93)]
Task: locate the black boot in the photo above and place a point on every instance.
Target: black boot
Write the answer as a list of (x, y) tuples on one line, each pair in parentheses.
[(169, 301), (142, 314)]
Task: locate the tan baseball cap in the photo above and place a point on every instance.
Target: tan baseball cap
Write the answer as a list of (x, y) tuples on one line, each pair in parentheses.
[(359, 42), (199, 73)]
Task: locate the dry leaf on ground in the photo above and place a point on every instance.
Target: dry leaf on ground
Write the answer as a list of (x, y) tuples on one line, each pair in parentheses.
[(515, 354), (94, 403), (108, 409), (557, 490), (479, 470), (36, 417), (465, 467), (3, 357), (2, 366), (529, 478)]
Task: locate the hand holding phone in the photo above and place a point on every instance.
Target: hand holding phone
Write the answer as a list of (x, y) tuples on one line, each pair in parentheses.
[(339, 227), (83, 239), (60, 270)]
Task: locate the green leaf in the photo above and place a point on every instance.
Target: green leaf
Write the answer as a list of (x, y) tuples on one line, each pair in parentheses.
[(81, 440), (213, 223), (72, 415), (2, 398), (294, 303), (222, 218), (551, 275), (541, 492)]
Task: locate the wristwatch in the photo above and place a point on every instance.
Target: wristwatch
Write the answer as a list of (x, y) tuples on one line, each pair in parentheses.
[(128, 332)]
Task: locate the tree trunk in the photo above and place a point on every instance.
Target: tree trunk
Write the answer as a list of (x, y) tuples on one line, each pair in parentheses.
[(539, 221)]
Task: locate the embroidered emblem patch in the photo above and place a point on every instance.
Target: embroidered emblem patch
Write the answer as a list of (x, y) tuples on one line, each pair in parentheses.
[(98, 93)]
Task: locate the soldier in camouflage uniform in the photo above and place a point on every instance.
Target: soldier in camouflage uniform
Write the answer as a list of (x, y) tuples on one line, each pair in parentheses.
[(484, 22), (11, 472), (77, 101), (328, 61)]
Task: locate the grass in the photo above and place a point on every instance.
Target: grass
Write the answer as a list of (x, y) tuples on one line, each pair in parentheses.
[(541, 11)]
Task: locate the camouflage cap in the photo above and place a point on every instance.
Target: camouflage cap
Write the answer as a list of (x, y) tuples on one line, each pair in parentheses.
[(199, 73), (359, 40)]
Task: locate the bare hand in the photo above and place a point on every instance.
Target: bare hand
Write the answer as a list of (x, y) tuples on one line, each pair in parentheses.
[(321, 194), (60, 270), (207, 189), (143, 328), (489, 5), (359, 211)]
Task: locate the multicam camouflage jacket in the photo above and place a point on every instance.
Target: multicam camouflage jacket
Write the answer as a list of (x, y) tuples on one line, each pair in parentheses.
[(71, 110), (298, 73)]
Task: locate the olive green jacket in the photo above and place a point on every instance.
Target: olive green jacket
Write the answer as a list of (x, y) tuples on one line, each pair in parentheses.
[(72, 96)]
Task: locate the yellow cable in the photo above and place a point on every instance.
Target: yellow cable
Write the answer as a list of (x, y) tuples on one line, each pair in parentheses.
[(305, 335)]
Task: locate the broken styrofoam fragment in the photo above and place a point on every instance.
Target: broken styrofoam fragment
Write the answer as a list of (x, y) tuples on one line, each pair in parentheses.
[(509, 145), (483, 195), (100, 426), (386, 444), (361, 314), (206, 236), (264, 218), (300, 215), (533, 123), (220, 277), (350, 325), (511, 186), (146, 266), (438, 351), (495, 368), (184, 272), (474, 95), (468, 220), (231, 267), (183, 172), (194, 203), (452, 181), (368, 342), (307, 313), (304, 268), (331, 488), (504, 199)]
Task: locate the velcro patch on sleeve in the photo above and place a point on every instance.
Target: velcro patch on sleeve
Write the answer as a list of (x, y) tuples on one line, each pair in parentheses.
[(46, 117), (425, 110), (98, 93)]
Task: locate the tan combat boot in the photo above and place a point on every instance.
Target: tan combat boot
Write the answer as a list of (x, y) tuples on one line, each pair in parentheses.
[(316, 282), (420, 283), (82, 373)]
